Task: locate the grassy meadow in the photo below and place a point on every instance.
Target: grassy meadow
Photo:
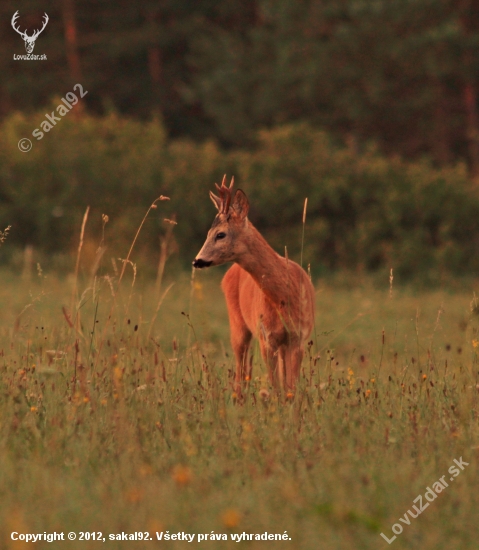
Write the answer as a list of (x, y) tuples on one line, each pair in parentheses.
[(117, 415)]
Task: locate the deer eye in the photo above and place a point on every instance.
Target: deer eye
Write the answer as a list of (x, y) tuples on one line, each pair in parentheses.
[(220, 235)]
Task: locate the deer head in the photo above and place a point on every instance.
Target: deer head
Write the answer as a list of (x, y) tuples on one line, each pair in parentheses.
[(29, 40), (224, 242)]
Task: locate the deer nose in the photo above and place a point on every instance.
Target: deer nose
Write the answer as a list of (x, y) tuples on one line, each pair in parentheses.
[(199, 263)]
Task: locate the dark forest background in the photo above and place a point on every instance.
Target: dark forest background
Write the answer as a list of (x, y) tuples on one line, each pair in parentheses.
[(369, 107)]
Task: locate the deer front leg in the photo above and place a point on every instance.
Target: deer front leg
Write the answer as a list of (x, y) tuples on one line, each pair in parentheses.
[(293, 359), (272, 359), (240, 342)]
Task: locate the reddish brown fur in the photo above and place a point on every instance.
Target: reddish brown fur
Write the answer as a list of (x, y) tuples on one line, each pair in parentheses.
[(267, 295)]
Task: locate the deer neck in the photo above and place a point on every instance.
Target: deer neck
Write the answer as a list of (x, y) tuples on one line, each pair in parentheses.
[(267, 268)]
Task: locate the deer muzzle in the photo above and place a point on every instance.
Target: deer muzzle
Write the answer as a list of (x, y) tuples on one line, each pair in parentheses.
[(199, 263)]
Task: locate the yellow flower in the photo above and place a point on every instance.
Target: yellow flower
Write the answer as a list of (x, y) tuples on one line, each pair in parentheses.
[(134, 495), (181, 475), (198, 290), (350, 377), (145, 470), (231, 518), (33, 409)]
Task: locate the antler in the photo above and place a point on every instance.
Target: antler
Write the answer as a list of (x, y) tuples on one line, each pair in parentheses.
[(24, 35), (16, 15), (224, 200), (45, 21)]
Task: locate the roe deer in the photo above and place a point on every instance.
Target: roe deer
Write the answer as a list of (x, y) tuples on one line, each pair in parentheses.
[(267, 295)]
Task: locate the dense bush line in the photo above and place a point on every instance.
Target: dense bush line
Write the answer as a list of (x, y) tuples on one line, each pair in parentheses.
[(365, 212)]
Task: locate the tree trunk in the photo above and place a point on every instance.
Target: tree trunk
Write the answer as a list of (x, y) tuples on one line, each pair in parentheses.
[(71, 46)]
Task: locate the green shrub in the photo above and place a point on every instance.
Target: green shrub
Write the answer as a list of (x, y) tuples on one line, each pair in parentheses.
[(365, 212)]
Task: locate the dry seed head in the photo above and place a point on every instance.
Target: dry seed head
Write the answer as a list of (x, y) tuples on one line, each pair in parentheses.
[(4, 234), (264, 393)]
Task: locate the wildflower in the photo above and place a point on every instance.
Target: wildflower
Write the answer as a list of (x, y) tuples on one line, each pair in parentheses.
[(289, 395), (373, 380), (181, 475), (350, 377), (424, 376), (368, 393), (33, 409), (198, 290), (247, 427), (475, 343), (86, 399), (118, 374), (134, 495), (264, 394), (145, 470), (231, 518)]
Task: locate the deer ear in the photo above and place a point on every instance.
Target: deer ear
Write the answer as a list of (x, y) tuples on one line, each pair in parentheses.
[(215, 200), (240, 204)]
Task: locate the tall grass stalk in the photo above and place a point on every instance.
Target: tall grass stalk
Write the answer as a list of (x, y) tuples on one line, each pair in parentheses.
[(153, 206), (77, 266)]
